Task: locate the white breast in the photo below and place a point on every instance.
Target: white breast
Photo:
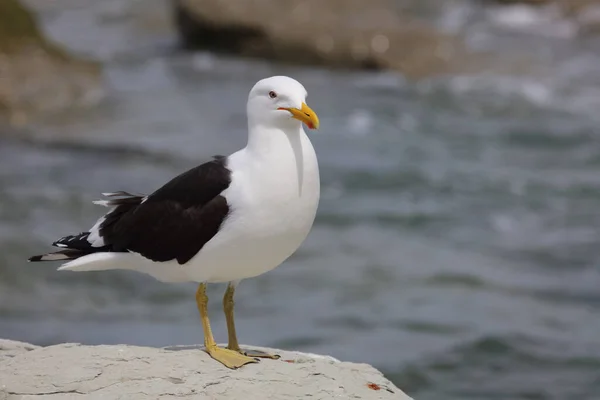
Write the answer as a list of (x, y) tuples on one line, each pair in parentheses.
[(273, 199)]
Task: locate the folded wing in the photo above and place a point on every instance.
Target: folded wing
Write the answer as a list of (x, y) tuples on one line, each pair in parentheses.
[(173, 223)]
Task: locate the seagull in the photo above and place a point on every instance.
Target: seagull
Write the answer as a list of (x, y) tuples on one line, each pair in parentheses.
[(226, 220)]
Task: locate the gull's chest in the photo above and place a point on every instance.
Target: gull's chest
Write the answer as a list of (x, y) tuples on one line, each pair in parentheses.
[(280, 196), (286, 195)]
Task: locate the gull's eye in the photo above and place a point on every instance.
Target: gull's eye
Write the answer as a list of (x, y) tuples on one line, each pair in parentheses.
[(272, 94)]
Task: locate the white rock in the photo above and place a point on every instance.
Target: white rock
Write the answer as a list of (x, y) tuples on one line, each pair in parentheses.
[(73, 371), (10, 348)]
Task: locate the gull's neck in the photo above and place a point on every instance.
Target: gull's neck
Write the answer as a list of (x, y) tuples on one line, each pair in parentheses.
[(279, 149), (268, 140)]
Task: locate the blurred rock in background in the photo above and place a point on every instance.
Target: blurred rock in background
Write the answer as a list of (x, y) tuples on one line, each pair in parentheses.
[(341, 33), (379, 34), (35, 74)]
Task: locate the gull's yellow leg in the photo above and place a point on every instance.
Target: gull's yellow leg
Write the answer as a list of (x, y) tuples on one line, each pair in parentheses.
[(233, 344), (229, 358), (228, 304)]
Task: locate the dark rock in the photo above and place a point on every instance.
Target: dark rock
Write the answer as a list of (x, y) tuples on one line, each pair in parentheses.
[(339, 33)]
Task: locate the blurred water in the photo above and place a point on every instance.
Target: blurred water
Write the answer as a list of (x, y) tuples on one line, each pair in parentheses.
[(456, 245)]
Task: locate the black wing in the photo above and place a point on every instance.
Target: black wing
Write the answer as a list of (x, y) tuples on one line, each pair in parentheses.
[(173, 223), (177, 220)]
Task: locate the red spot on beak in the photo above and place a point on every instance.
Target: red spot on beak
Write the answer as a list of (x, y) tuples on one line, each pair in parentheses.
[(373, 386)]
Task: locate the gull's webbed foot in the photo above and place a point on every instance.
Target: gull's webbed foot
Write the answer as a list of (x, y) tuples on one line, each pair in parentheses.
[(256, 353), (230, 358)]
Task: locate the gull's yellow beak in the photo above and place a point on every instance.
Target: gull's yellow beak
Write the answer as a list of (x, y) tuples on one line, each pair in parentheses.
[(305, 115)]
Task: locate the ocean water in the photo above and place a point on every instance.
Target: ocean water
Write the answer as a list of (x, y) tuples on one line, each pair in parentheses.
[(457, 243)]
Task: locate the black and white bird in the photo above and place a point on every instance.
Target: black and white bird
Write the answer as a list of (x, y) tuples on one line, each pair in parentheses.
[(228, 219)]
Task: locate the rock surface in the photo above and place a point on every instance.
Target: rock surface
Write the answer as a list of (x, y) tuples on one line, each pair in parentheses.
[(347, 33), (73, 371), (36, 75)]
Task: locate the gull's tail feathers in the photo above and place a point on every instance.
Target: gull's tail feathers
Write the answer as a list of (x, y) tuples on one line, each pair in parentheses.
[(65, 254), (82, 260), (165, 272), (81, 245), (72, 247), (97, 262)]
